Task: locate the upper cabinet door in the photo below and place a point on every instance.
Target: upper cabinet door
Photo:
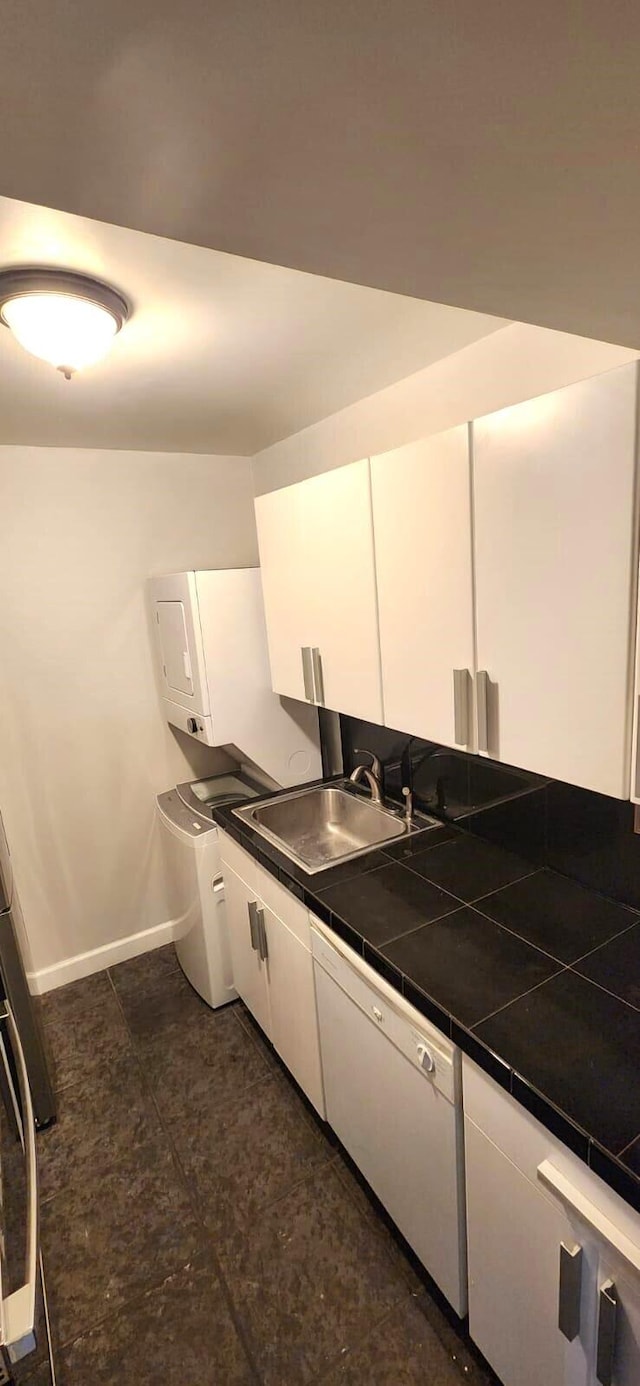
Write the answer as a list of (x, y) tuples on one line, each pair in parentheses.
[(422, 527), (318, 576), (555, 520)]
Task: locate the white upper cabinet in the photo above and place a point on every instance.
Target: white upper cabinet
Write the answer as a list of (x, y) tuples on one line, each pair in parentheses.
[(318, 578), (555, 574), (422, 526)]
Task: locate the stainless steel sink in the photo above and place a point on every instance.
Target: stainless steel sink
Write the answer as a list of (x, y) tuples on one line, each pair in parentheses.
[(327, 824)]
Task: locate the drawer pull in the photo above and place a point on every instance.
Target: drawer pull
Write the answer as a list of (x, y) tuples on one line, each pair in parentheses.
[(570, 1285), (262, 936), (253, 925), (607, 1315)]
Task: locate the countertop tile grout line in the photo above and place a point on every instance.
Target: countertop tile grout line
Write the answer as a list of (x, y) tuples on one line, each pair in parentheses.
[(563, 967), (583, 956), (613, 994), (620, 1153), (424, 924), (235, 1317), (499, 889), (505, 928)]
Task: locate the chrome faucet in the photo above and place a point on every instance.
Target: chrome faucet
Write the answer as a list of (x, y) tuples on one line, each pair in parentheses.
[(373, 776), (407, 795)]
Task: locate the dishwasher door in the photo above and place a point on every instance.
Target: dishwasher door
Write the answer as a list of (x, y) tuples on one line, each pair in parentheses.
[(392, 1090)]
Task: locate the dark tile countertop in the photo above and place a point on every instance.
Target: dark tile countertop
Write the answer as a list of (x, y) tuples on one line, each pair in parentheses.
[(534, 977)]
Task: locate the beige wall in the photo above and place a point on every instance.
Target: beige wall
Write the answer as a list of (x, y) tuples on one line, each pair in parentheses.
[(515, 363), (83, 745)]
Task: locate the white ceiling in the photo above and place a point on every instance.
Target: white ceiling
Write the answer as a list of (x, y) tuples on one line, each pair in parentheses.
[(220, 355), (481, 154)]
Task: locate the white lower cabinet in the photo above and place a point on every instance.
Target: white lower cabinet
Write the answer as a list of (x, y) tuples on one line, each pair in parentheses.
[(554, 1253), (270, 942), (514, 1240), (617, 1349), (249, 971)]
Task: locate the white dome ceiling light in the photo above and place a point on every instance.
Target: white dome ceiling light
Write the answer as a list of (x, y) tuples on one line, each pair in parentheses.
[(67, 319)]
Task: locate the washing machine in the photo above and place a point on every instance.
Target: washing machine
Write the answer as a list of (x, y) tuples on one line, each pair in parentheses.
[(191, 857)]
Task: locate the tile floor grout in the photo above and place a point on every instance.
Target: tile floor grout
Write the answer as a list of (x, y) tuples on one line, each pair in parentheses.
[(398, 1275), (187, 1185)]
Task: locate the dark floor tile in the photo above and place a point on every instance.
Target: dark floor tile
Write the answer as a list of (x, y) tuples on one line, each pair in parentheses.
[(405, 1350), (145, 972), (386, 903), (83, 1043), (256, 1033), (470, 868), (557, 915), (203, 1064), (41, 1376), (469, 965), (180, 1334), (101, 1119), (616, 966), (107, 1239), (407, 847), (163, 1004), (311, 1275), (580, 1048), (248, 1153), (67, 1003)]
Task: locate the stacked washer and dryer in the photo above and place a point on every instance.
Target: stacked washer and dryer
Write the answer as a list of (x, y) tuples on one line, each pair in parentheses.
[(213, 665)]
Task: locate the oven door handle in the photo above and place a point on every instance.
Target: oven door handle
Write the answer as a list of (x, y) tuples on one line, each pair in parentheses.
[(19, 1308)]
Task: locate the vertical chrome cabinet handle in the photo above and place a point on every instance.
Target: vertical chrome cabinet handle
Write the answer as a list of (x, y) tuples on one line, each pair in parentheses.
[(317, 675), (570, 1285), (482, 690), (307, 672), (253, 925), (605, 1350), (262, 936), (461, 706)]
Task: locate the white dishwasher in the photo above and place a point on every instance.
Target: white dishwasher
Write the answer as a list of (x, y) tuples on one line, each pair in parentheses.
[(393, 1095)]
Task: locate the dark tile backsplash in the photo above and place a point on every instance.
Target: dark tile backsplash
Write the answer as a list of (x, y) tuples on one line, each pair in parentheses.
[(588, 837)]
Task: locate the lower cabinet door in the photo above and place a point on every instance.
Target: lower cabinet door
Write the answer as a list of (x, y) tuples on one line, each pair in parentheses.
[(294, 1021), (616, 1360), (515, 1235), (249, 969)]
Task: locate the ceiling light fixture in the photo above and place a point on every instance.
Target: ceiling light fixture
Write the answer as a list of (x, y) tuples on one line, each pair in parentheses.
[(65, 318)]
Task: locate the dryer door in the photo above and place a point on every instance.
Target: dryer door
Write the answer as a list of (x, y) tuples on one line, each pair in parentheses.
[(176, 619), (174, 647)]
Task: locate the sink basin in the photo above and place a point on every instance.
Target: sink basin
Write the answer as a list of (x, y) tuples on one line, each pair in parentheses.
[(327, 824)]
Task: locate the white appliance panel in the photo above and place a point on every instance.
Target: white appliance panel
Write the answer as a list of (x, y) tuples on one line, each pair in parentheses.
[(401, 1124), (195, 887)]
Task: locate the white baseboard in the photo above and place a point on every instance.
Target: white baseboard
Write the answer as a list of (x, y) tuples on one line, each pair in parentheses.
[(85, 964)]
